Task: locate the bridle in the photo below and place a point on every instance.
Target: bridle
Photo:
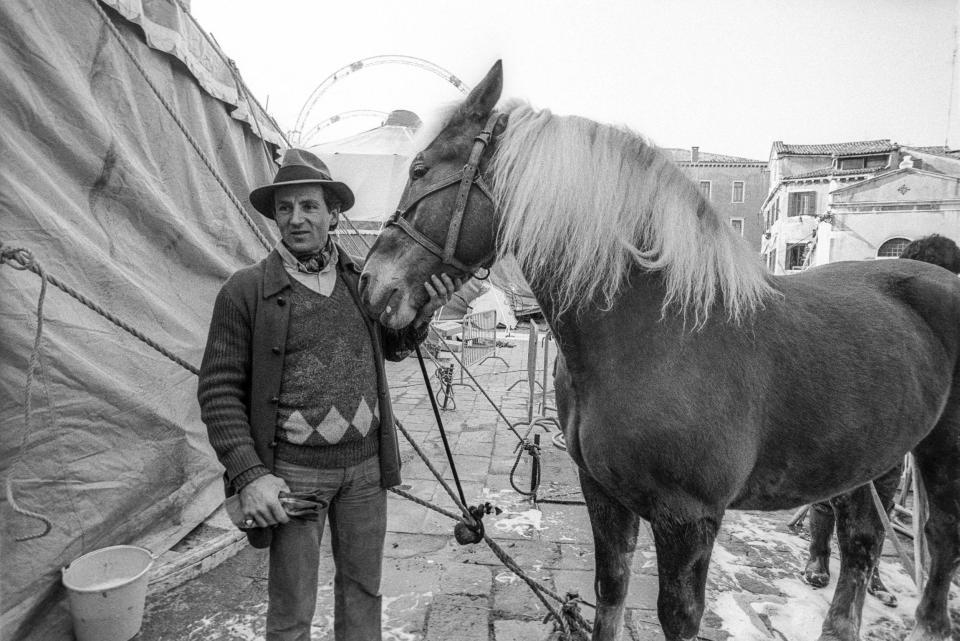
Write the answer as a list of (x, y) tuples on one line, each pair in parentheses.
[(467, 177)]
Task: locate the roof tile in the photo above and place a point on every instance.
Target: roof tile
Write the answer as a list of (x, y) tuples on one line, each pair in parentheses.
[(839, 148), (685, 155)]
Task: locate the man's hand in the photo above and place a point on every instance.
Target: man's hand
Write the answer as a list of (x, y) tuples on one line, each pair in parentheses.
[(441, 288), (260, 500)]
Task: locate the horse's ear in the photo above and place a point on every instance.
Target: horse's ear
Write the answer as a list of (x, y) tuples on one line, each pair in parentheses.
[(485, 95)]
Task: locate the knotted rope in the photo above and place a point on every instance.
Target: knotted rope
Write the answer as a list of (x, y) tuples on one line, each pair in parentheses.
[(568, 612)]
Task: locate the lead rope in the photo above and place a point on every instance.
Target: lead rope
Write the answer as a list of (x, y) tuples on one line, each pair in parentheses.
[(443, 433)]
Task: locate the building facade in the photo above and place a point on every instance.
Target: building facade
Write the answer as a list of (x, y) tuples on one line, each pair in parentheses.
[(833, 202), (735, 187)]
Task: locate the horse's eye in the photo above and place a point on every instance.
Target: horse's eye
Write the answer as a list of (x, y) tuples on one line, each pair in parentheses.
[(418, 170)]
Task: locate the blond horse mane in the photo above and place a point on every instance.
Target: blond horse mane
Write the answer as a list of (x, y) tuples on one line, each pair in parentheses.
[(583, 202)]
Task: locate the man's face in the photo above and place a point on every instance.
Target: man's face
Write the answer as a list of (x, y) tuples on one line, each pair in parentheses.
[(303, 217)]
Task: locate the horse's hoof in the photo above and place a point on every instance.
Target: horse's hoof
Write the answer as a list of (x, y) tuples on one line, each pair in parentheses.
[(816, 578), (884, 597), (923, 635)]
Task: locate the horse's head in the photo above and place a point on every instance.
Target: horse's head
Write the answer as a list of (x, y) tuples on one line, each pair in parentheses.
[(446, 221)]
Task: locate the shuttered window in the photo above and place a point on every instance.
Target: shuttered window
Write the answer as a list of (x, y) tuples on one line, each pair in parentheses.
[(802, 203)]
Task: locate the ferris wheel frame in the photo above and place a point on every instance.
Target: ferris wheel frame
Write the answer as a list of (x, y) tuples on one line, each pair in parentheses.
[(353, 67)]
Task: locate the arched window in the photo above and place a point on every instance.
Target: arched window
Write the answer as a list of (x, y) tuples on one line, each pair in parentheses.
[(892, 248)]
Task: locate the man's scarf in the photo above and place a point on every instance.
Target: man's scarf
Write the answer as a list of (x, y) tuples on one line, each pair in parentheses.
[(316, 262)]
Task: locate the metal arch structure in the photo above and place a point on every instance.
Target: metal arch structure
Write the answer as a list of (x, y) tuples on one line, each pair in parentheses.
[(373, 61), (304, 139)]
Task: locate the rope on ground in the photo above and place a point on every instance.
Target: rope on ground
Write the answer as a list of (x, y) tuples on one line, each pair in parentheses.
[(182, 126), (569, 611), (22, 259), (533, 449)]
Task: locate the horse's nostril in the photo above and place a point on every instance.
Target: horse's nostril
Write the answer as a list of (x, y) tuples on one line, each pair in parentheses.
[(364, 279)]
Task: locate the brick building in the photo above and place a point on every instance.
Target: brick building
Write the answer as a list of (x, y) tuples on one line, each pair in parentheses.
[(735, 187)]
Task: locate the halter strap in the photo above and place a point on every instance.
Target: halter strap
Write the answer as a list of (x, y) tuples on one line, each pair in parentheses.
[(467, 178)]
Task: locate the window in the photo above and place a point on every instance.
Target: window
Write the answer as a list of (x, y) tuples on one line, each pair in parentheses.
[(861, 162), (793, 260), (737, 191), (892, 248), (705, 189), (737, 224), (852, 163), (802, 203)]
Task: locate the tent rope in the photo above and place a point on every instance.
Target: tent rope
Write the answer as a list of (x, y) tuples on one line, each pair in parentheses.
[(236, 73), (183, 128), (20, 259)]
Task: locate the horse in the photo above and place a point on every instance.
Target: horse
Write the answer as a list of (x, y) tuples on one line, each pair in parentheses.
[(690, 381), (937, 250)]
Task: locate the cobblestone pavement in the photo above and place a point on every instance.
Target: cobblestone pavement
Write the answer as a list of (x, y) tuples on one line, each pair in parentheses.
[(437, 590)]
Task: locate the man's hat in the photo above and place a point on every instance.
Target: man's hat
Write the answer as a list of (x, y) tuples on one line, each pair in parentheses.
[(300, 167)]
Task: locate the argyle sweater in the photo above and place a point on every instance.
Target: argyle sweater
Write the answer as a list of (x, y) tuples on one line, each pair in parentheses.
[(327, 414)]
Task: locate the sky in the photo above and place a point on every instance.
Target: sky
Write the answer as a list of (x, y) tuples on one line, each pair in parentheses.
[(728, 76)]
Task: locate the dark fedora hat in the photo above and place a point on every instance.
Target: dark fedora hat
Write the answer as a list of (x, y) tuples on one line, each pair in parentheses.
[(300, 167)]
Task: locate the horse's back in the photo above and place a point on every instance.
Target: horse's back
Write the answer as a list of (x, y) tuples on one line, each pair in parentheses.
[(866, 359), (845, 369), (930, 292)]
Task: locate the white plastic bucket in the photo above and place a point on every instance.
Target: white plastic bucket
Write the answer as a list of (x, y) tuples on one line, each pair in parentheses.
[(107, 589)]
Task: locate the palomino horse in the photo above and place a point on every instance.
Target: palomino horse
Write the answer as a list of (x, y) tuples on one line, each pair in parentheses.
[(691, 381)]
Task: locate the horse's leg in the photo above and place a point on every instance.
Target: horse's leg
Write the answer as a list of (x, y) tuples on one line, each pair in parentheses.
[(886, 489), (683, 558), (614, 539), (817, 572), (938, 459), (860, 537)]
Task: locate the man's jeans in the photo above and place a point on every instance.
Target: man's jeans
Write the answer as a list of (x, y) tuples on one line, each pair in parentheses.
[(358, 523)]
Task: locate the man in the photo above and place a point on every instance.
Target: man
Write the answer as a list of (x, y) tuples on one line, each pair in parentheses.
[(294, 395), (937, 250)]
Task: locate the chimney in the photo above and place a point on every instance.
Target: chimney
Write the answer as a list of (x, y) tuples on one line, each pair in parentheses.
[(694, 154)]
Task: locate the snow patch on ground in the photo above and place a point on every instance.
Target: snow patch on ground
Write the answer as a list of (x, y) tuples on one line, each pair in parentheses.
[(248, 626), (512, 517), (776, 558), (394, 629)]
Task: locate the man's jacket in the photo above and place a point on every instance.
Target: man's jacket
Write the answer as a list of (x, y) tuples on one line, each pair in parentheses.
[(238, 394)]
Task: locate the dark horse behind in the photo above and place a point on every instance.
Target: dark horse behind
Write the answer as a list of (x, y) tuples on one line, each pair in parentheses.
[(691, 381)]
